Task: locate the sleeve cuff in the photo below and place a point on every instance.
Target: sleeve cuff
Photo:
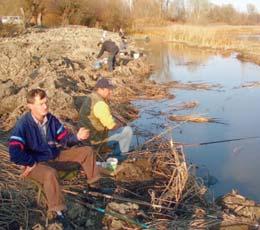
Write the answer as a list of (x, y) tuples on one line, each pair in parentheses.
[(31, 163), (74, 138)]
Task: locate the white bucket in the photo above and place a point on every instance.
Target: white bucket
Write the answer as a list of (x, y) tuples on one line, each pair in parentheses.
[(112, 163), (104, 61), (136, 55)]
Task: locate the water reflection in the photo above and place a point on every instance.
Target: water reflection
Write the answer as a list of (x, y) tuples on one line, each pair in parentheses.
[(166, 56), (234, 164)]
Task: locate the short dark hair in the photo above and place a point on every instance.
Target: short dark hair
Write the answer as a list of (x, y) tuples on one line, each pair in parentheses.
[(104, 83), (32, 94)]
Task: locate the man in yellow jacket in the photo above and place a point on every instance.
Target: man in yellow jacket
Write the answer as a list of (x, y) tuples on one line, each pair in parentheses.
[(96, 115)]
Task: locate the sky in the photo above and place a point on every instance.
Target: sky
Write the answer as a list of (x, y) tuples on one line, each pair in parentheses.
[(238, 4)]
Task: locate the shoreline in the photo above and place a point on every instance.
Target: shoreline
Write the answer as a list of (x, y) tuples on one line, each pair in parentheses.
[(60, 61), (220, 38)]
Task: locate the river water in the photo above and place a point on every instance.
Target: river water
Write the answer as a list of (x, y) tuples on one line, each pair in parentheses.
[(236, 165)]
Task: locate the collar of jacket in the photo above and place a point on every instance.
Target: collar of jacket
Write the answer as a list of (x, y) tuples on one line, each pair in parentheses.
[(32, 121)]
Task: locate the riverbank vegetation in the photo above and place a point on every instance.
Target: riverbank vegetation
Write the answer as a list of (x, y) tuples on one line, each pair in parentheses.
[(112, 15), (162, 189), (219, 37), (197, 23)]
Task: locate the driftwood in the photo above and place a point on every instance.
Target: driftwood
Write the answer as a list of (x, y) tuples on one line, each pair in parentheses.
[(255, 84), (196, 119), (186, 105)]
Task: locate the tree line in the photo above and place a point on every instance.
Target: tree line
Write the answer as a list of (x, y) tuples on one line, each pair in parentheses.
[(113, 14)]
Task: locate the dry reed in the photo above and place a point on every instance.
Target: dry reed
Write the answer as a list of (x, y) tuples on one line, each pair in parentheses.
[(221, 37), (251, 85), (186, 105), (203, 36), (191, 118), (15, 195), (173, 188)]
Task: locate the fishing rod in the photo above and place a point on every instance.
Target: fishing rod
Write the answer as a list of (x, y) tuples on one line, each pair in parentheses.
[(219, 141), (116, 197), (111, 213), (114, 214), (140, 202), (194, 144), (136, 222)]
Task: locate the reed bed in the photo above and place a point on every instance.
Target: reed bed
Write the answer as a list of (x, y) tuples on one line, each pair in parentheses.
[(171, 184), (220, 37), (177, 197), (169, 193), (201, 36), (15, 194), (172, 167)]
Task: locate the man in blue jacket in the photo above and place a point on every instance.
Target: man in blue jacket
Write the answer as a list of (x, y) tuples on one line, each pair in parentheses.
[(36, 142)]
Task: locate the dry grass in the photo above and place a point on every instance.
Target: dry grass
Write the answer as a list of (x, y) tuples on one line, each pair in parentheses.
[(221, 37), (10, 30), (203, 36), (13, 197)]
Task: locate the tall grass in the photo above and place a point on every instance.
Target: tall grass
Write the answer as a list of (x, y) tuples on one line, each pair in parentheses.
[(222, 37), (200, 36)]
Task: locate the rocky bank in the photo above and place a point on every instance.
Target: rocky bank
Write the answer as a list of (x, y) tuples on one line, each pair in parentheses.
[(61, 61)]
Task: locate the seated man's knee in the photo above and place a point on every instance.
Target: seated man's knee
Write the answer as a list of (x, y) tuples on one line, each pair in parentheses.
[(50, 173), (128, 131), (88, 149), (85, 151)]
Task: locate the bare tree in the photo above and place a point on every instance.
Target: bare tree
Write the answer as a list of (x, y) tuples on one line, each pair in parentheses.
[(34, 11), (251, 9), (130, 3), (178, 10), (68, 9), (198, 9), (253, 16), (111, 14)]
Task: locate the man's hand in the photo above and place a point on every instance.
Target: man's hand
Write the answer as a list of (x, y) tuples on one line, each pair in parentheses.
[(27, 170), (83, 134)]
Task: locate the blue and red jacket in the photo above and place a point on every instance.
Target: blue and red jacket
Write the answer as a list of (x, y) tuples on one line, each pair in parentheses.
[(27, 145)]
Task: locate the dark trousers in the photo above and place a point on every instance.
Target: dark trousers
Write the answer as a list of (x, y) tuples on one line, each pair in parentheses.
[(112, 61)]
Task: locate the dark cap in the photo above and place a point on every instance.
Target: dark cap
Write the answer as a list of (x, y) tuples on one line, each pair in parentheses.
[(104, 83)]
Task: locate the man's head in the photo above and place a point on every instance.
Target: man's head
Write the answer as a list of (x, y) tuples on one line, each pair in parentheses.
[(37, 103), (104, 88)]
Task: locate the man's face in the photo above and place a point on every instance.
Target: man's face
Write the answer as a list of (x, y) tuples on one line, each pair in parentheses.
[(40, 107), (108, 93)]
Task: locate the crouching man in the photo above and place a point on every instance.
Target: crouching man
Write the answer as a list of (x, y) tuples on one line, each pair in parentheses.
[(96, 116), (35, 144)]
